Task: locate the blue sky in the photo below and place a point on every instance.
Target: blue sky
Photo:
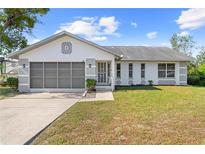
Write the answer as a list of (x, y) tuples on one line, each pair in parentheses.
[(124, 26)]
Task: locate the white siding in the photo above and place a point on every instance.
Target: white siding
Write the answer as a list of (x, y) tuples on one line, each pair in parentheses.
[(136, 73), (52, 52), (151, 73), (177, 73), (124, 73)]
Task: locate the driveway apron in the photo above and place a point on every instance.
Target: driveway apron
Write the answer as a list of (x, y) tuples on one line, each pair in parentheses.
[(23, 116)]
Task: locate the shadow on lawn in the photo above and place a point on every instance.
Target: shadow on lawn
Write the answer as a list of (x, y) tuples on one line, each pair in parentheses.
[(137, 88)]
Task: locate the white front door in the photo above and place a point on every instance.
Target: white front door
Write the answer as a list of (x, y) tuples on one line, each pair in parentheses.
[(102, 73)]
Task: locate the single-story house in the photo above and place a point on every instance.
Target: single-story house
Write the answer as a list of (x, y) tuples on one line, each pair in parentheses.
[(64, 61)]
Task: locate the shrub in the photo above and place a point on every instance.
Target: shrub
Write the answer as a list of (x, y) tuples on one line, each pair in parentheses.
[(150, 82), (12, 82), (91, 83), (202, 83), (193, 80)]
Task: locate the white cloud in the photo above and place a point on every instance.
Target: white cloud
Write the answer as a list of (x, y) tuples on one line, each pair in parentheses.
[(79, 27), (92, 28), (134, 24), (191, 19), (110, 25), (98, 38), (89, 18), (184, 33), (151, 35)]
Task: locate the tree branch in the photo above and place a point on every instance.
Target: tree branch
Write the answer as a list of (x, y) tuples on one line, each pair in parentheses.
[(10, 19)]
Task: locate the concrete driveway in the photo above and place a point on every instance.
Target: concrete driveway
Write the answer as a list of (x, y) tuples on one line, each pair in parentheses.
[(23, 116)]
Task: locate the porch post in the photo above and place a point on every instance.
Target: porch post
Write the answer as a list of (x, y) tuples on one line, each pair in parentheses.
[(113, 74)]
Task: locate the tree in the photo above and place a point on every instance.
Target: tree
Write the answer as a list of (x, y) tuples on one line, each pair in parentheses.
[(201, 69), (14, 23), (182, 43), (200, 58)]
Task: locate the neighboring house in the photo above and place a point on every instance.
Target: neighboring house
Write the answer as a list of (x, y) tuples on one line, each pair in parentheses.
[(9, 67), (64, 61)]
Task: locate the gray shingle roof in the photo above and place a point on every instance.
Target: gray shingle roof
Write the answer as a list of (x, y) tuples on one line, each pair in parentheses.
[(146, 53)]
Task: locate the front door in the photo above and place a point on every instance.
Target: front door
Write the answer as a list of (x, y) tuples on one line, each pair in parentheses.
[(102, 73)]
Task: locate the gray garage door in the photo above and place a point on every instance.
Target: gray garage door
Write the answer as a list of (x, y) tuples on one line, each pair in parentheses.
[(36, 75), (57, 75)]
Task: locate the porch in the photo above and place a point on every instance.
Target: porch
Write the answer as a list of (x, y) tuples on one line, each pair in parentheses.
[(102, 71), (104, 75)]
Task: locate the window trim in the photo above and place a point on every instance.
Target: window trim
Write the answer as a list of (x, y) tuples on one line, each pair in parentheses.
[(142, 70), (118, 70), (130, 71), (167, 70)]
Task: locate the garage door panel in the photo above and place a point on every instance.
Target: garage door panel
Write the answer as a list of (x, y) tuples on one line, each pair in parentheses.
[(50, 75), (50, 65), (78, 75), (78, 83), (50, 83), (78, 65), (36, 65), (36, 75), (64, 74), (64, 83), (36, 83), (64, 65)]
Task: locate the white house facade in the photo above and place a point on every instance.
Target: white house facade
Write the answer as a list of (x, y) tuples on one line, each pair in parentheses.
[(64, 61)]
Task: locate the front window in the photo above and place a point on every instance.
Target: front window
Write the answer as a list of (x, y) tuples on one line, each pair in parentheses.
[(142, 70), (108, 69), (166, 70), (162, 70), (170, 70), (118, 70), (130, 70)]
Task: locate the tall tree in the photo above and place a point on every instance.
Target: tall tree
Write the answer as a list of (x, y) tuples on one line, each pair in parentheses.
[(200, 58), (182, 43), (14, 23)]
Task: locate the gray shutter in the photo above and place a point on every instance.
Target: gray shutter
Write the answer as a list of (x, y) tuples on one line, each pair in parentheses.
[(78, 75), (50, 75), (36, 75), (64, 75)]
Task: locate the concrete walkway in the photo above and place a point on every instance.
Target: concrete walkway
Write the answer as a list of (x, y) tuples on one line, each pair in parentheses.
[(23, 116), (100, 96)]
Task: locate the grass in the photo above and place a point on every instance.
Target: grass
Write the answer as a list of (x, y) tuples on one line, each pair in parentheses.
[(139, 115), (6, 92)]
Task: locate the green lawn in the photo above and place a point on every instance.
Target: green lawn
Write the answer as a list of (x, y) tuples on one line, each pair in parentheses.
[(6, 92), (143, 115)]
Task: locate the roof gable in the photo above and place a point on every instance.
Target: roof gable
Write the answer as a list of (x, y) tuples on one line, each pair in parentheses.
[(54, 37)]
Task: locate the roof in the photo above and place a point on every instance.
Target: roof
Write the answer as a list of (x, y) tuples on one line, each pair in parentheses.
[(54, 37), (140, 53), (147, 53)]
